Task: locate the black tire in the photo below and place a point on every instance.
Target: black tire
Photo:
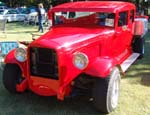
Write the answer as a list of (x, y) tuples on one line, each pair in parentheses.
[(11, 77), (103, 98), (138, 46)]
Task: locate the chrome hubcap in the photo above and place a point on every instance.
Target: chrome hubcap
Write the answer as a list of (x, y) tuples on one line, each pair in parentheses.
[(115, 93)]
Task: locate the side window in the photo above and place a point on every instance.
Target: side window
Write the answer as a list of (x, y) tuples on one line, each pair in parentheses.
[(122, 18), (106, 19), (72, 14), (131, 15), (8, 12)]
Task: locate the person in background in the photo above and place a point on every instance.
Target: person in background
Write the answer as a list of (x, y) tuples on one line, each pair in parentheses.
[(41, 16)]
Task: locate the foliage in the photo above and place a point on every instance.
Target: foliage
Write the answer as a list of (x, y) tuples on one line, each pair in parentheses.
[(47, 3), (15, 3)]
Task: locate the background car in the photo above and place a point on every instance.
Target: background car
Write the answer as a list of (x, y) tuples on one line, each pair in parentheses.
[(1, 14), (32, 16), (3, 7), (12, 15)]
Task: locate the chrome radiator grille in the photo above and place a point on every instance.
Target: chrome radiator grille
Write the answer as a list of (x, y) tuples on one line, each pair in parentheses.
[(43, 63)]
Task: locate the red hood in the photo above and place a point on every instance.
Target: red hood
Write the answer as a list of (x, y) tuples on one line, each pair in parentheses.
[(67, 36)]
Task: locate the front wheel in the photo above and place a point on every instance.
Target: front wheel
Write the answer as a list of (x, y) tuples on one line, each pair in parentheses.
[(11, 77), (106, 92)]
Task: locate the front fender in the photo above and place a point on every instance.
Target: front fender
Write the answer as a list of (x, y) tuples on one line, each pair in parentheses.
[(101, 67), (10, 58)]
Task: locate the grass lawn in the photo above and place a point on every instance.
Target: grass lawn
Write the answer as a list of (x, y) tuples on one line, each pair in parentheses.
[(134, 95), (19, 31)]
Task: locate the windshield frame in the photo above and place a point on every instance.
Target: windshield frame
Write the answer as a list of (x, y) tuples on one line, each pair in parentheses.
[(109, 22)]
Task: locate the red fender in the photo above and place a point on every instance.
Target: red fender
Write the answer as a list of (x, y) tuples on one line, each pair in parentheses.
[(10, 58), (101, 67)]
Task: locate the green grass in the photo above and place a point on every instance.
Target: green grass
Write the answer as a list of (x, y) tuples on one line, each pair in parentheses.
[(19, 31), (134, 95)]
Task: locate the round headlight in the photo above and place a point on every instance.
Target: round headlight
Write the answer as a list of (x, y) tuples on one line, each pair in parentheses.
[(80, 60), (20, 54)]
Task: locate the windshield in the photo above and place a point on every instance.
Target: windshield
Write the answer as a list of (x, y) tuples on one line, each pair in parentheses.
[(84, 18), (13, 11)]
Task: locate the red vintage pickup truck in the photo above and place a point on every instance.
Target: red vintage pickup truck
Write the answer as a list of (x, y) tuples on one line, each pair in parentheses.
[(88, 47)]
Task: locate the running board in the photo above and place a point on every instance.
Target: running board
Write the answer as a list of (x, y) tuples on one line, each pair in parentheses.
[(127, 63)]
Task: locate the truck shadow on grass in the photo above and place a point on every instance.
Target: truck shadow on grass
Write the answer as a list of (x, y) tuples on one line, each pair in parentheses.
[(139, 72), (32, 104), (29, 103), (141, 78), (145, 80)]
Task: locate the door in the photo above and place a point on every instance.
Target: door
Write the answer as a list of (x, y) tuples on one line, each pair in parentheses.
[(123, 35)]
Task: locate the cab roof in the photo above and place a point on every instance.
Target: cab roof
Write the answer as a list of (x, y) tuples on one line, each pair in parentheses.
[(95, 6)]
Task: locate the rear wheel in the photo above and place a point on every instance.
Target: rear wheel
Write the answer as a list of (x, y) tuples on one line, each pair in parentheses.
[(11, 77), (138, 46), (106, 92)]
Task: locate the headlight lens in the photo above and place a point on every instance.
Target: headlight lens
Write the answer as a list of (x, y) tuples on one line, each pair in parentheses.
[(80, 60), (20, 54)]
